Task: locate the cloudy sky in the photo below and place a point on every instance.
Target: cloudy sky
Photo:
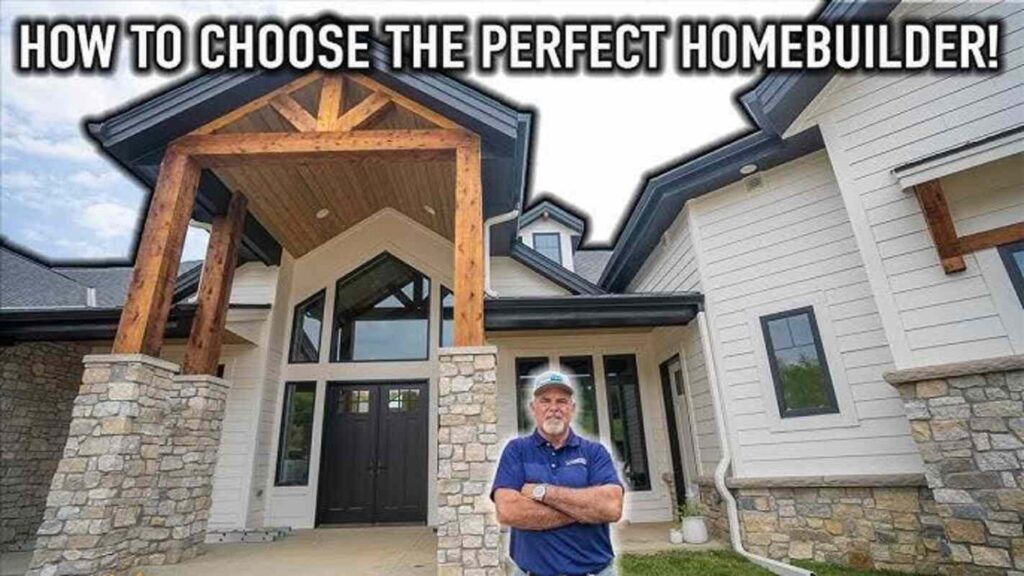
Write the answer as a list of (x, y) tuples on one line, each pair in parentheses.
[(595, 136)]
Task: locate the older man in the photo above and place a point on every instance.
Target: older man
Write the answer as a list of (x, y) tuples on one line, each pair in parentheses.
[(557, 491)]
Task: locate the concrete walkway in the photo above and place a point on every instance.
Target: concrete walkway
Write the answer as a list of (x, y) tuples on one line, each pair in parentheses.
[(376, 551)]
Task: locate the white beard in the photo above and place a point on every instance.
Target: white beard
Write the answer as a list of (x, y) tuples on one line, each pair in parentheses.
[(553, 426)]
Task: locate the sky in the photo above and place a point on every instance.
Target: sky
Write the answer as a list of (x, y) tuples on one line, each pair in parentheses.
[(595, 136)]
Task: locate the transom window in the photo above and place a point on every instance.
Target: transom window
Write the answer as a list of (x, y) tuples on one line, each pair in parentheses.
[(547, 243), (803, 386), (381, 312), (1013, 260), (306, 325)]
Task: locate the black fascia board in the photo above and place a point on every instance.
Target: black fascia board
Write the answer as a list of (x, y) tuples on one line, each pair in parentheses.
[(552, 270), (591, 311), (665, 194), (556, 213), (74, 324)]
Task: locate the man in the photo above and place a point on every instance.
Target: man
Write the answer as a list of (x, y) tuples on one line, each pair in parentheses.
[(557, 491)]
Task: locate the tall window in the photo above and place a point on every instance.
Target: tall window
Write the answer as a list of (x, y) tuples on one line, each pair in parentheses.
[(581, 370), (526, 370), (547, 243), (1013, 259), (306, 324), (296, 434), (381, 312), (803, 386), (447, 317), (627, 419)]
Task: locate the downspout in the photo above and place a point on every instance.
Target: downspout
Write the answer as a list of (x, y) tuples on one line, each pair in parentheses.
[(774, 566), (488, 224)]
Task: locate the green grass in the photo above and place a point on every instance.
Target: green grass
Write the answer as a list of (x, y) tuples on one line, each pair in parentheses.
[(718, 563)]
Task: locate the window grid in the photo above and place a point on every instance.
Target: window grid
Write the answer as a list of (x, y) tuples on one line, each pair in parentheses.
[(789, 335), (548, 244)]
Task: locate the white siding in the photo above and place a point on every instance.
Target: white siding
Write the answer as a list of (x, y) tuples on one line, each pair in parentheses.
[(254, 283), (672, 266), (873, 123), (785, 245), (510, 279), (547, 225)]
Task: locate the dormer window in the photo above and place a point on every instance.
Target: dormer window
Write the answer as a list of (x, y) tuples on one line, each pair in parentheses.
[(548, 244)]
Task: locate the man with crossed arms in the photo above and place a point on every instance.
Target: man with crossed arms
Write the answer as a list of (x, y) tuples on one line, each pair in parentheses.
[(557, 491)]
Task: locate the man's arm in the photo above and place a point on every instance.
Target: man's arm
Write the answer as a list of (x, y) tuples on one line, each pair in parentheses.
[(593, 505), (518, 511)]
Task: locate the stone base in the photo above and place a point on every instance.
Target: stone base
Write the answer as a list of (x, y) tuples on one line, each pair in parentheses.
[(468, 535), (134, 484)]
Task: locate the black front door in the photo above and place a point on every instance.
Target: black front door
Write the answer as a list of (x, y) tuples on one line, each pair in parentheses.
[(373, 465)]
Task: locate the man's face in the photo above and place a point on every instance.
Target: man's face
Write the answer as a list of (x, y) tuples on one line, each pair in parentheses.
[(553, 411)]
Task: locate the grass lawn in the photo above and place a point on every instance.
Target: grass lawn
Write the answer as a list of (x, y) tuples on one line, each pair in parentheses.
[(718, 563)]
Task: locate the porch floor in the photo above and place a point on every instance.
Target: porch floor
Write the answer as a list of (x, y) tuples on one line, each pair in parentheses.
[(383, 551)]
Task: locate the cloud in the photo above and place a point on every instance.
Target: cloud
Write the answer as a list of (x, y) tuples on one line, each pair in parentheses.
[(109, 220), (96, 180), (20, 180), (73, 148)]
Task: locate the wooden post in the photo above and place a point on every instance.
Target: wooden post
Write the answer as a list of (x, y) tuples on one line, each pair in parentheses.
[(940, 225), (204, 341), (144, 316), (469, 249)]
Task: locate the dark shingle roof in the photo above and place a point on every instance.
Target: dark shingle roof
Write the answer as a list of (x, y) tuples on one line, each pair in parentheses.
[(590, 263), (111, 284)]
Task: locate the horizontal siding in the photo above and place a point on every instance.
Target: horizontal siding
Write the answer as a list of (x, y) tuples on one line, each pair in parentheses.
[(254, 283), (672, 266), (511, 279), (873, 123), (708, 444), (787, 244)]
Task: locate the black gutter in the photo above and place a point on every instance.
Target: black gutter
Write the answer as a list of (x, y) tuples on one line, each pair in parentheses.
[(959, 148), (552, 270), (602, 311), (64, 324)]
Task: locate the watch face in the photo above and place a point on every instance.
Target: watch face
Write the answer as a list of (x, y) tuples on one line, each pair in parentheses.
[(538, 491)]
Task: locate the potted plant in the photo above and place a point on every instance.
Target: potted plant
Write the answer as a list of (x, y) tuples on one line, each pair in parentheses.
[(694, 528)]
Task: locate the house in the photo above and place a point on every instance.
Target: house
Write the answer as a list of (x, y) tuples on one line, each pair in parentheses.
[(815, 329)]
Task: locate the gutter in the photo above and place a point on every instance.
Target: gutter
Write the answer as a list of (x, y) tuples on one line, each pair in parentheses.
[(774, 566)]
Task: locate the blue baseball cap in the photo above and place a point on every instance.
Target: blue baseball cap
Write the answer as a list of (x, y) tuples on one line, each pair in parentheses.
[(552, 379)]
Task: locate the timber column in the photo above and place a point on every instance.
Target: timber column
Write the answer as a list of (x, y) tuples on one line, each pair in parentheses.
[(468, 535)]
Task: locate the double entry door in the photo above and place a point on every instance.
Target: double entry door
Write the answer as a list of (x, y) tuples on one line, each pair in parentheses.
[(374, 458)]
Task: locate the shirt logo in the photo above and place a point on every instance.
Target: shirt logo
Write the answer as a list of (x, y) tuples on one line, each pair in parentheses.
[(577, 462)]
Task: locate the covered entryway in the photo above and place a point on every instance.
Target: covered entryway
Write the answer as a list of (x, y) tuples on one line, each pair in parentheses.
[(374, 461)]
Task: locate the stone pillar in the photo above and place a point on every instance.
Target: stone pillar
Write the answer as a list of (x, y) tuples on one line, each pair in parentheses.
[(468, 535), (134, 482), (968, 421)]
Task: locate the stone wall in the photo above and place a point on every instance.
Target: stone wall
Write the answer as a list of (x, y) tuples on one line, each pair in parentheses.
[(134, 484), (468, 534), (38, 384), (968, 421)]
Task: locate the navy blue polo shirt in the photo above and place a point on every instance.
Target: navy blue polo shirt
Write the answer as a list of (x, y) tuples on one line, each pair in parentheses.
[(573, 549)]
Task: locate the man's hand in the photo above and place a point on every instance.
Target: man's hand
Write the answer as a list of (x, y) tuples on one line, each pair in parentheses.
[(593, 505), (524, 513)]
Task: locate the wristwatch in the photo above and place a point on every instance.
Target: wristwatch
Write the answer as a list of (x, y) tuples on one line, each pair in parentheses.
[(539, 491)]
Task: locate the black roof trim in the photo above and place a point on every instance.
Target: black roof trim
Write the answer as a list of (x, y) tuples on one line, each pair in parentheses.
[(556, 212), (959, 148), (552, 270), (81, 323), (592, 311)]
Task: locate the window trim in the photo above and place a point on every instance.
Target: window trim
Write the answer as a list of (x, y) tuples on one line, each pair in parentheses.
[(830, 392), (593, 382), (1012, 270), (558, 242), (282, 430), (645, 449), (322, 296), (515, 369), (441, 289)]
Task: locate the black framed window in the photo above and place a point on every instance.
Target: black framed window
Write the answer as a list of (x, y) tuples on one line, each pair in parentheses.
[(381, 312), (581, 370), (306, 325), (548, 244), (1013, 259), (296, 434), (526, 370), (625, 415), (803, 386), (447, 322)]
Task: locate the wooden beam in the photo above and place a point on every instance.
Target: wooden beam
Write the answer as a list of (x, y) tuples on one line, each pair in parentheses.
[(250, 148), (331, 96), (407, 103), (992, 238), (940, 225), (246, 109), (469, 246), (148, 302), (294, 113), (363, 113), (204, 342)]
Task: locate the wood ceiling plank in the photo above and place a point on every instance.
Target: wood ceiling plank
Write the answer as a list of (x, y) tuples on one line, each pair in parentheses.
[(295, 114), (241, 111), (407, 103)]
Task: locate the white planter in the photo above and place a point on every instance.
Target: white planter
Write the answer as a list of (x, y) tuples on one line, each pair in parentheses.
[(675, 536), (695, 531)]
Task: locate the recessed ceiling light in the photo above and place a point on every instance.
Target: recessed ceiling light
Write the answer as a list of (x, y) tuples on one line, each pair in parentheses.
[(430, 210), (322, 213), (748, 169)]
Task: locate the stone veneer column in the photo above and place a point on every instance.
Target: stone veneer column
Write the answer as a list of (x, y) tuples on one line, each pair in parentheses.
[(133, 486), (968, 421), (468, 535)]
